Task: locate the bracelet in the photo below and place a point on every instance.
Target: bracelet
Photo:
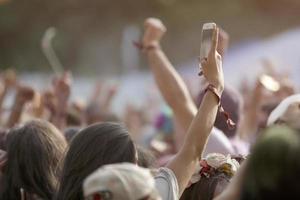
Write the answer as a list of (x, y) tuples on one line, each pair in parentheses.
[(143, 48), (230, 123), (214, 90)]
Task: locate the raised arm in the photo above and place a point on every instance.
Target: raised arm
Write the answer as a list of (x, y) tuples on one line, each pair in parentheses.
[(9, 81), (62, 92), (173, 88), (184, 163), (171, 85), (24, 95), (108, 99)]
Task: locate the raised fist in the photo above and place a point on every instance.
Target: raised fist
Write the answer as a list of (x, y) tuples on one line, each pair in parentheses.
[(25, 94), (62, 87), (154, 30), (48, 100)]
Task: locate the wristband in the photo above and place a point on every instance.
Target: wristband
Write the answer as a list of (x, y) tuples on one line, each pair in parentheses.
[(229, 122), (143, 48)]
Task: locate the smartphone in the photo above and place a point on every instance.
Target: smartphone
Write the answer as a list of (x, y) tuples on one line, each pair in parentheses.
[(206, 39)]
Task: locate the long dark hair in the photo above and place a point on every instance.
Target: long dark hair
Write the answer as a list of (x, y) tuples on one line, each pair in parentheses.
[(34, 152), (206, 188), (91, 148)]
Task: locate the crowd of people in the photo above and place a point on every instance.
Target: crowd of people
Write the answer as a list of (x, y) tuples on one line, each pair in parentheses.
[(226, 143)]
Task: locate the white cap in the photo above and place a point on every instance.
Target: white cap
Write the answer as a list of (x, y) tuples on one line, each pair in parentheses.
[(120, 182), (287, 111)]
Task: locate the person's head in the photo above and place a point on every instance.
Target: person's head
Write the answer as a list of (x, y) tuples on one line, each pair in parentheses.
[(75, 113), (273, 169), (145, 158), (130, 182), (94, 114), (97, 145), (34, 152), (70, 133), (287, 112), (232, 103), (73, 118), (207, 188), (211, 177)]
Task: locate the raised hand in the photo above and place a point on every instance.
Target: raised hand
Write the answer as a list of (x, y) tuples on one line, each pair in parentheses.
[(212, 66), (10, 78), (154, 31), (25, 94), (62, 87), (48, 100), (112, 91), (62, 92)]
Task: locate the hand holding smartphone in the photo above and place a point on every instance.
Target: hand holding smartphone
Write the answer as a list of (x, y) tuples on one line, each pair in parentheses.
[(154, 31), (210, 60), (207, 32)]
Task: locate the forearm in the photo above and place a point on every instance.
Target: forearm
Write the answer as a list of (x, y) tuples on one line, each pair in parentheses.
[(172, 87), (15, 114), (107, 102), (3, 93), (201, 126), (249, 125), (59, 115), (185, 161)]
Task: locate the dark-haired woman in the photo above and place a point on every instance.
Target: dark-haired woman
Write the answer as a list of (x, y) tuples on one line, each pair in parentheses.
[(108, 143), (97, 145), (34, 152)]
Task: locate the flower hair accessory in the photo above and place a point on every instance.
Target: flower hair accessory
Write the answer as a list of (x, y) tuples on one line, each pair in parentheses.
[(212, 164)]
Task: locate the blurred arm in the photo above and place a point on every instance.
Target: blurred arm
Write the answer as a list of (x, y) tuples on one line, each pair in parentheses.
[(62, 92), (172, 87), (9, 81), (24, 94), (184, 163)]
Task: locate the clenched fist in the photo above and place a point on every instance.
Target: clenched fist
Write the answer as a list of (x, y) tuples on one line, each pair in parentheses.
[(154, 31), (25, 94)]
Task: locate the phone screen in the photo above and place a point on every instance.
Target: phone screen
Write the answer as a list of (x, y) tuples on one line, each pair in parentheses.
[(206, 42)]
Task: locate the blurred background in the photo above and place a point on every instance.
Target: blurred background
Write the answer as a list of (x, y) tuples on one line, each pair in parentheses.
[(94, 37)]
